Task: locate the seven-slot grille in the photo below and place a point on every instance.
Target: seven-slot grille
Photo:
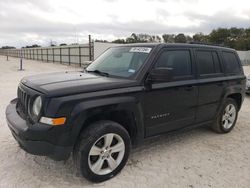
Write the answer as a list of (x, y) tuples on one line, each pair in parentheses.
[(23, 100)]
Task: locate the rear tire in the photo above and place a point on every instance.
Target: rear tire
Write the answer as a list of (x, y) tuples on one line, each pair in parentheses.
[(227, 117), (102, 150)]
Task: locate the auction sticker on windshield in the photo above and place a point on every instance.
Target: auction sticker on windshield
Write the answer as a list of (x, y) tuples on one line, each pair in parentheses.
[(140, 49)]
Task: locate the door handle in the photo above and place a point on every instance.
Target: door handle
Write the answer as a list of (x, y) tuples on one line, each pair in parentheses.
[(189, 88), (220, 84)]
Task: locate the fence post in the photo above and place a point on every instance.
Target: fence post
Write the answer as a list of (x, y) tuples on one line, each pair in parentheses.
[(53, 54), (21, 64), (90, 50), (60, 49), (21, 61), (69, 55), (42, 54), (80, 59), (47, 55)]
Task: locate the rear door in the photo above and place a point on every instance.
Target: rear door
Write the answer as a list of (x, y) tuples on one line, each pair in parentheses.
[(211, 83)]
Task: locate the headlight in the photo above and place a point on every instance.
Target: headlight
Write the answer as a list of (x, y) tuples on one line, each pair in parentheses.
[(37, 106)]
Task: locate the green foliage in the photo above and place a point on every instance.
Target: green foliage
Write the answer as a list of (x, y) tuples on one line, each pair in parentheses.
[(138, 38), (168, 38), (237, 38), (104, 41), (63, 44), (200, 37), (7, 47), (119, 41), (32, 46), (180, 38)]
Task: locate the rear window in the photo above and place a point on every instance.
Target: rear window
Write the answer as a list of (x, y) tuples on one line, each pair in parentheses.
[(231, 62)]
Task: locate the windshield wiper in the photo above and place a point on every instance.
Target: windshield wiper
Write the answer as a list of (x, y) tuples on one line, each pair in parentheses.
[(100, 72)]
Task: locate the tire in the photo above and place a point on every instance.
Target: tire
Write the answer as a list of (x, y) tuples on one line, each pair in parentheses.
[(229, 114), (102, 150)]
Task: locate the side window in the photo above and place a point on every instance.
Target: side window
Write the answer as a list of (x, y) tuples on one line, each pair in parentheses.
[(178, 60), (208, 62), (231, 63), (205, 61)]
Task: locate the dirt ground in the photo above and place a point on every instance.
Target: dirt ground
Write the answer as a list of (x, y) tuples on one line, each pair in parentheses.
[(195, 159)]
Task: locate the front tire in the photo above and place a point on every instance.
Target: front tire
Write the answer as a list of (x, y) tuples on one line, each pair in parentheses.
[(102, 150), (227, 117)]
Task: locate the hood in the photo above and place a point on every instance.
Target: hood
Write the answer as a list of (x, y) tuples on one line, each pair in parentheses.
[(66, 83)]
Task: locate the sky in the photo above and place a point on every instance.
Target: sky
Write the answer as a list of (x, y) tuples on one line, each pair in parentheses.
[(27, 22)]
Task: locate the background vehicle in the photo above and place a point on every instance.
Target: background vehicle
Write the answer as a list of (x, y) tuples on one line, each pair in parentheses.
[(128, 94), (248, 85)]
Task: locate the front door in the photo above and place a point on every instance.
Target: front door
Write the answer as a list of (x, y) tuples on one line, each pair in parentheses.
[(171, 105)]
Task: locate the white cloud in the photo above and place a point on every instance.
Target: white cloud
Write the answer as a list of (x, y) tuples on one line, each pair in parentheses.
[(24, 22)]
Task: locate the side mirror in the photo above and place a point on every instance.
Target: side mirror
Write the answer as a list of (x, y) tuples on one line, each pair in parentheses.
[(161, 74)]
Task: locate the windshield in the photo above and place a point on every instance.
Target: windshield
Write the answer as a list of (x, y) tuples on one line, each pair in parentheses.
[(120, 61)]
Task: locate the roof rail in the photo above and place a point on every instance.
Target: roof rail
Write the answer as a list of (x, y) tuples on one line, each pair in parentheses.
[(203, 43)]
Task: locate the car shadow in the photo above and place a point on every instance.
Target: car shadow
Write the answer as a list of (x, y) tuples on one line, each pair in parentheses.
[(65, 171)]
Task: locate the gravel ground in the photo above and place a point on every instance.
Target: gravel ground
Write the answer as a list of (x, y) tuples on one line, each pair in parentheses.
[(198, 158)]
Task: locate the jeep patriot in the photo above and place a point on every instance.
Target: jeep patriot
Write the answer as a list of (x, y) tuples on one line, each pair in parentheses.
[(126, 95)]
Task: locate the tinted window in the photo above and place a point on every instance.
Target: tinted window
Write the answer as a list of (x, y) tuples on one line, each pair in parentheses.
[(209, 62), (205, 61), (217, 65), (231, 62), (178, 60)]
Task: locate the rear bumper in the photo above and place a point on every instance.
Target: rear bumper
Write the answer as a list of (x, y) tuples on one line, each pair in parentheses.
[(24, 135)]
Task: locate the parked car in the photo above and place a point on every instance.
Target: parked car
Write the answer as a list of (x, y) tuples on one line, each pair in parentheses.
[(248, 85), (128, 94)]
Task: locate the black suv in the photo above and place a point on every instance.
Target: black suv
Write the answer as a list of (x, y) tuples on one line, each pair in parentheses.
[(129, 93)]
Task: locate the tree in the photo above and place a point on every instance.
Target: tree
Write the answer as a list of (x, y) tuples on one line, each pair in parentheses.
[(119, 41), (168, 38), (200, 37), (32, 46), (189, 39), (219, 36), (63, 44), (180, 38), (104, 41), (130, 40), (8, 47)]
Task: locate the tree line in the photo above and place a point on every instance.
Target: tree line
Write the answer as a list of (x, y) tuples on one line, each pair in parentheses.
[(237, 38)]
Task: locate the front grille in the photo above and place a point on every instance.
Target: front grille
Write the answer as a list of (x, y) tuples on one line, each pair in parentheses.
[(23, 101)]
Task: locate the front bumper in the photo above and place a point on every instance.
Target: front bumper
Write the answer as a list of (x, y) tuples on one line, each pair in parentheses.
[(26, 135)]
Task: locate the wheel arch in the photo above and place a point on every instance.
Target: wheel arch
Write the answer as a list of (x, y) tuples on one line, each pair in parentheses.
[(237, 97), (123, 110)]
